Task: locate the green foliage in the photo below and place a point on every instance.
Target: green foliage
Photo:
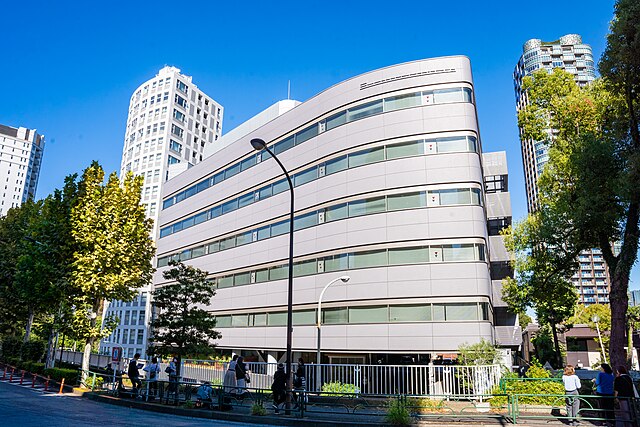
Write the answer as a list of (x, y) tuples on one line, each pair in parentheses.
[(537, 371), (538, 381), (11, 347), (398, 413), (425, 405), (523, 320), (258, 409), (182, 327), (338, 389), (481, 353), (70, 375), (32, 350), (94, 382), (189, 404), (544, 346)]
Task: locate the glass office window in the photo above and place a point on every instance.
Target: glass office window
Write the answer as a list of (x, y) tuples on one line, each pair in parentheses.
[(305, 268), (368, 259), (366, 156), (245, 200), (215, 211), (242, 279), (244, 238), (305, 221), (283, 145), (452, 144), (407, 201), (399, 256), (279, 228), (198, 252), (336, 262), (304, 317), (365, 110), (247, 163), (306, 176), (459, 252), (280, 186), (231, 171), (368, 314), (476, 196), (277, 319), (223, 321), (306, 134), (264, 193), (410, 313), (218, 178), (335, 316), (457, 196), (262, 275), (239, 320), (225, 282), (468, 311), (335, 213), (187, 223), (279, 272), (336, 165), (402, 101), (367, 206), (260, 319), (203, 185), (336, 120), (438, 313), (230, 206), (405, 149), (200, 218), (214, 247), (228, 243), (264, 232), (445, 96)]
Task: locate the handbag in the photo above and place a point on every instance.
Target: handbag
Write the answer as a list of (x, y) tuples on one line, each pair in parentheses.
[(247, 378), (168, 370)]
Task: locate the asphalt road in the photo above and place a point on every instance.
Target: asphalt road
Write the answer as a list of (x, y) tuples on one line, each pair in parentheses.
[(23, 407)]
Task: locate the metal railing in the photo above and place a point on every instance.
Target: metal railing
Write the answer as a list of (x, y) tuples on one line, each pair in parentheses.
[(424, 380)]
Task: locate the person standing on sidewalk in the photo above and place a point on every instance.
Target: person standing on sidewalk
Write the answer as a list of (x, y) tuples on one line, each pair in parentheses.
[(152, 379), (624, 391), (279, 388), (134, 374), (604, 389), (571, 387), (299, 383)]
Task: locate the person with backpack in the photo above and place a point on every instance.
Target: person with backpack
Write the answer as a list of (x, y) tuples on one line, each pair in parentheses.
[(152, 379)]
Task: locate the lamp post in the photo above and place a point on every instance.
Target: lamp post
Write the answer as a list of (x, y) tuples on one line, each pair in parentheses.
[(259, 145), (343, 279), (595, 319)]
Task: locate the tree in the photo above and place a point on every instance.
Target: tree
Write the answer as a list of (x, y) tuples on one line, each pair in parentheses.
[(544, 346), (181, 327), (620, 68), (542, 260), (114, 249), (481, 353), (585, 314), (633, 323)]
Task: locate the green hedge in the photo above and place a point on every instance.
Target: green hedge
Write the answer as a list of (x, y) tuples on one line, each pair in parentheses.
[(11, 347), (338, 389), (70, 375), (538, 381)]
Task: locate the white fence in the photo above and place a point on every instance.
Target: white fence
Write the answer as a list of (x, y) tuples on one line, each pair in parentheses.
[(436, 380)]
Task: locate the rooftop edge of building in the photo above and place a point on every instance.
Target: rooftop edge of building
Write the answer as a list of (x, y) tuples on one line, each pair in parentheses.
[(567, 39)]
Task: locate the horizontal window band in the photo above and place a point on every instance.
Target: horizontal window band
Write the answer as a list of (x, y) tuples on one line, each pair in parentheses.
[(356, 112), (374, 204), (417, 147), (370, 256), (364, 314)]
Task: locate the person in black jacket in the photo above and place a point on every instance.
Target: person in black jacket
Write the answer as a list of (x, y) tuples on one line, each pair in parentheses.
[(134, 374), (299, 382), (624, 391), (241, 377), (279, 388)]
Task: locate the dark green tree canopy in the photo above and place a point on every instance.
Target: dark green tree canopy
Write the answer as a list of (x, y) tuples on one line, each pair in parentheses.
[(181, 327)]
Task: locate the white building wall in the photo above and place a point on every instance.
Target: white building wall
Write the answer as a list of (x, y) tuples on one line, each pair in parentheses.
[(21, 151), (431, 171)]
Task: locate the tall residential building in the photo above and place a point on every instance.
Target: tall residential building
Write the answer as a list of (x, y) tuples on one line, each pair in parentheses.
[(391, 188), (569, 53), (21, 152), (170, 124)]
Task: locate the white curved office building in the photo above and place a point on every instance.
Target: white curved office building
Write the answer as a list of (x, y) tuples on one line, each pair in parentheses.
[(389, 189)]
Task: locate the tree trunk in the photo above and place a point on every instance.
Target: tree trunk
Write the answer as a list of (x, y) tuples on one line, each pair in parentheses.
[(630, 345), (556, 345), (179, 366), (27, 333), (86, 357), (51, 350)]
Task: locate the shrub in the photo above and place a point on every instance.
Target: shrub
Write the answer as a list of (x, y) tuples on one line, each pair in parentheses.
[(32, 350), (90, 383), (189, 404), (258, 409), (11, 347), (70, 375), (537, 371), (33, 367), (424, 405), (338, 389), (398, 414)]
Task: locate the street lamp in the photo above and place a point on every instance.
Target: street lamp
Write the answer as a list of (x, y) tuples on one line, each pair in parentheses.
[(259, 145), (595, 319), (343, 279)]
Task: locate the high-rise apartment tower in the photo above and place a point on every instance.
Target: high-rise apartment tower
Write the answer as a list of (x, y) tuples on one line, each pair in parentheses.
[(170, 123), (570, 54), (21, 152)]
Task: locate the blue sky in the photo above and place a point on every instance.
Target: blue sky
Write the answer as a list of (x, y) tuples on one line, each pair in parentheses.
[(69, 68)]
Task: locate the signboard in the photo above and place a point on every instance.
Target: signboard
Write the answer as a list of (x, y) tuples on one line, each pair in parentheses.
[(116, 354)]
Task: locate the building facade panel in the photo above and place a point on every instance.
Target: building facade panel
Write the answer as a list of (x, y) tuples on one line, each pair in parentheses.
[(389, 189)]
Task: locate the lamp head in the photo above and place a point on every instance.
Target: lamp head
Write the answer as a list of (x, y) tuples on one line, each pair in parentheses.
[(258, 144), (595, 318), (345, 279)]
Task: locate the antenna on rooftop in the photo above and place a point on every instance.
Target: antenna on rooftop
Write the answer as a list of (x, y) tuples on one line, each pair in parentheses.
[(288, 89)]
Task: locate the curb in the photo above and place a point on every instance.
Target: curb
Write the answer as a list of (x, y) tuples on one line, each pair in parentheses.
[(225, 416)]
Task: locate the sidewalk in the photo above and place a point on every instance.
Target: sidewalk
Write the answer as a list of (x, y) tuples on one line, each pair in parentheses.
[(243, 414)]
